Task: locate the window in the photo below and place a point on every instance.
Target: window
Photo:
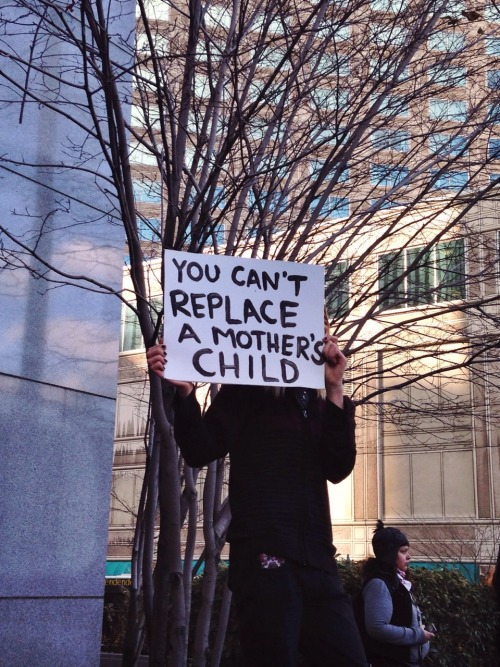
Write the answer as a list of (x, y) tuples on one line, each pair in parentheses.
[(131, 338), (317, 165), (493, 46), (335, 31), (492, 13), (330, 136), (330, 98), (275, 26), (394, 140), (382, 203), (149, 117), (274, 201), (219, 197), (418, 276), (450, 180), (275, 58), (494, 112), (446, 41), (493, 78), (394, 105), (217, 16), (388, 5), (201, 85), (337, 289), (494, 149), (331, 64), (160, 44), (443, 75), (218, 233), (455, 8), (388, 35), (155, 11), (147, 192), (332, 207), (442, 109), (148, 229), (385, 68), (447, 144), (139, 154), (386, 175)]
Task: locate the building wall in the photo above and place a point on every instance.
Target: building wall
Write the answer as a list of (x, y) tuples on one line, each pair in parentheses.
[(437, 477), (58, 369)]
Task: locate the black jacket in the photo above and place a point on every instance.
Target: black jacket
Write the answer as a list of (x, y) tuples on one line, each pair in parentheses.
[(383, 654), (280, 460)]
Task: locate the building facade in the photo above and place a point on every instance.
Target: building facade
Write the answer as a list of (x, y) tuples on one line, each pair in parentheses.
[(395, 161)]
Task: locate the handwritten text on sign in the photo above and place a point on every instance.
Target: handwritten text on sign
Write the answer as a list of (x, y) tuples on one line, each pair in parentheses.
[(243, 321)]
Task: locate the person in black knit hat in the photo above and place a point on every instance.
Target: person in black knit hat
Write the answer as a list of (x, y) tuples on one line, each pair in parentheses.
[(394, 633)]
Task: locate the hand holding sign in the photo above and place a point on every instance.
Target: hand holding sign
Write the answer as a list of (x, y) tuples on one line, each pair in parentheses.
[(156, 357), (243, 321)]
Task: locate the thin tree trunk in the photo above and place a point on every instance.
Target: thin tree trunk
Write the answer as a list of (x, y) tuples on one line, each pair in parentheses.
[(220, 636)]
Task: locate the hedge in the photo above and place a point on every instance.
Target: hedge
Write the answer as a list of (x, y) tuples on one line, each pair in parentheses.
[(465, 614)]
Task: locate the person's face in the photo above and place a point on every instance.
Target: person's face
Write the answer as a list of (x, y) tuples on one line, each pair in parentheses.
[(403, 558)]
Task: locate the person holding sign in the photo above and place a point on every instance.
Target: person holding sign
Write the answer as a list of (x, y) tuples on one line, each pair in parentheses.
[(284, 445)]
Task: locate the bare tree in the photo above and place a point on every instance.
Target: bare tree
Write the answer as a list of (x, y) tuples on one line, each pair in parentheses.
[(361, 135)]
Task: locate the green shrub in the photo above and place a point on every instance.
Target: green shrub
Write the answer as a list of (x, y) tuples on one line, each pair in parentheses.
[(464, 613)]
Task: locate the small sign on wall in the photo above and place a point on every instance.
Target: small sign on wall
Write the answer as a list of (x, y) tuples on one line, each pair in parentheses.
[(243, 321)]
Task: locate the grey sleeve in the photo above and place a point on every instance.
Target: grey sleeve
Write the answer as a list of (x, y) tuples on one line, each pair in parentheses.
[(378, 612)]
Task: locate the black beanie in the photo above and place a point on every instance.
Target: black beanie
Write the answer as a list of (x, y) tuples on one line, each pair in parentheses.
[(386, 543)]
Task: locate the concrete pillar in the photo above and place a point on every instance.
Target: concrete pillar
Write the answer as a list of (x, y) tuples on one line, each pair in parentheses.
[(58, 364)]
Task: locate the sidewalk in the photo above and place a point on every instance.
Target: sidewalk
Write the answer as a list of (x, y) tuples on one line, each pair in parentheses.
[(115, 660)]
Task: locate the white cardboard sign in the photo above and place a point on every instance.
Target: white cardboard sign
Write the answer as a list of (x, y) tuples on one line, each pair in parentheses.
[(243, 321)]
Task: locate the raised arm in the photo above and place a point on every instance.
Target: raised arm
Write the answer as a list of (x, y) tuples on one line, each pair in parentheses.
[(335, 365), (156, 357)]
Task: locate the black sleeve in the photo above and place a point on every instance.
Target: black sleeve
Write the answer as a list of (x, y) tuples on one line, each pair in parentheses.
[(338, 440), (203, 439)]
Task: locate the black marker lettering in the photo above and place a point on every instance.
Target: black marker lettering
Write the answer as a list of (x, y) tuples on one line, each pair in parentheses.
[(258, 336), (253, 279), (226, 367), (286, 345), (187, 332), (178, 299), (273, 345), (195, 271), (319, 359), (215, 277), (302, 346), (285, 363), (217, 334), (214, 301), (236, 270), (249, 311), (229, 319), (196, 362), (285, 313), (179, 268), (297, 280), (267, 281), (244, 340), (264, 371), (265, 316), (198, 308)]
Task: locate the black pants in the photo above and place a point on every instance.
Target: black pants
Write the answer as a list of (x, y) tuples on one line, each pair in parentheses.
[(292, 610)]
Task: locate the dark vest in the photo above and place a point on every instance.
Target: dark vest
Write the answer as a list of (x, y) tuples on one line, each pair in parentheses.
[(380, 653)]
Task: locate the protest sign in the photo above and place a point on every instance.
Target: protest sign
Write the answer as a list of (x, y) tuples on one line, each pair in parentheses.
[(243, 321)]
